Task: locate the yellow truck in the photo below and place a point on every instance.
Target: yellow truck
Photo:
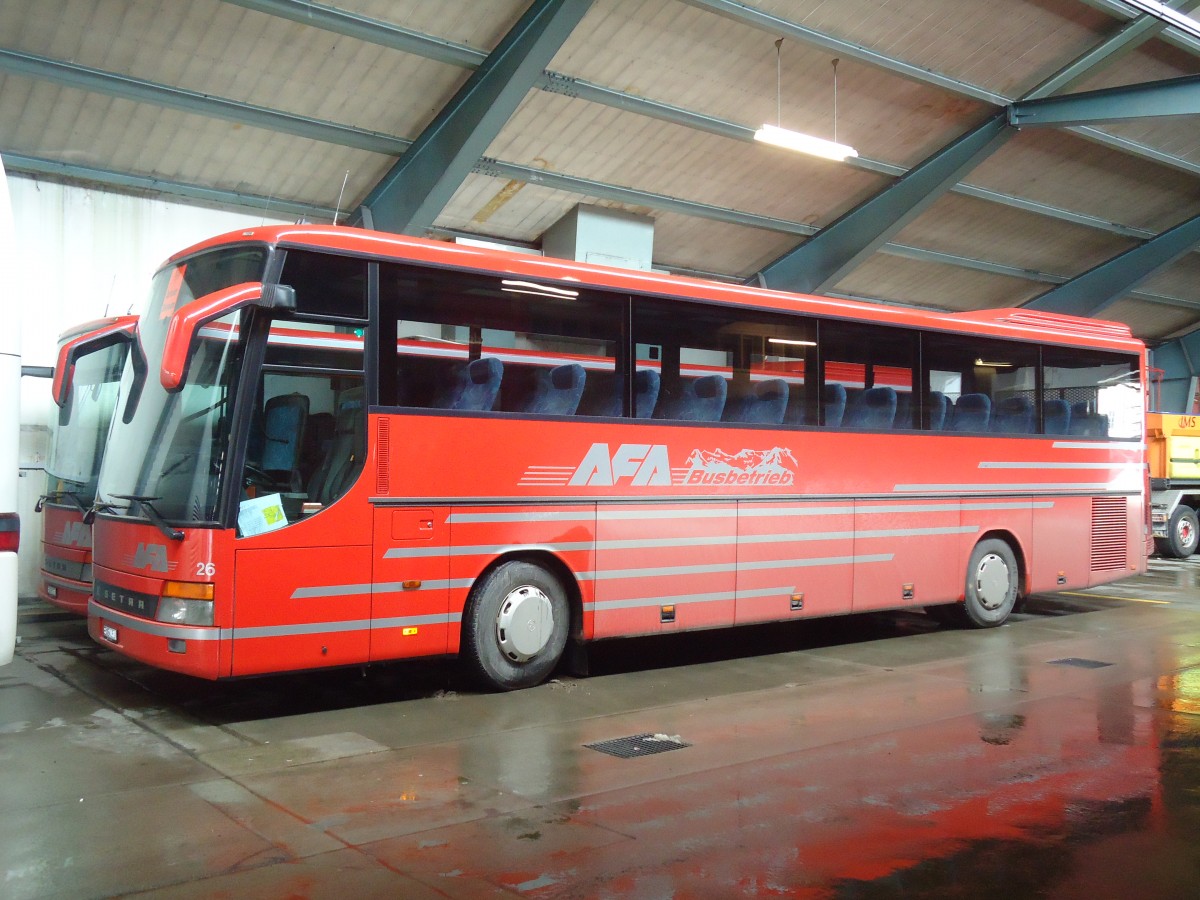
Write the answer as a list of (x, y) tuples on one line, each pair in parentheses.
[(1173, 451)]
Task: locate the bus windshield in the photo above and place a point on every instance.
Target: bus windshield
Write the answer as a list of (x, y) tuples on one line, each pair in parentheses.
[(79, 437), (167, 449)]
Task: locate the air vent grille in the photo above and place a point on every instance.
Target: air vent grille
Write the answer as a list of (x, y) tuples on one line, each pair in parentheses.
[(1110, 529), (383, 457)]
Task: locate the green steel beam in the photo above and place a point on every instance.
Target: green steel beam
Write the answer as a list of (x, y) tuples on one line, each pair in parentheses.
[(410, 196), (128, 88), (1098, 288), (365, 28), (282, 209), (1171, 97)]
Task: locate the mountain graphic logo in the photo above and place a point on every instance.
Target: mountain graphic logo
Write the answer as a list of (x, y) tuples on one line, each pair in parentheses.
[(776, 466)]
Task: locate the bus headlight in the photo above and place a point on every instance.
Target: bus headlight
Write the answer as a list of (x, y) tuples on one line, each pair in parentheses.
[(186, 603)]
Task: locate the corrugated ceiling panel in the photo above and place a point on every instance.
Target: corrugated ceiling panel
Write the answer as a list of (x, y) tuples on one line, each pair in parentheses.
[(1181, 279), (700, 61), (95, 130), (933, 284), (981, 230), (1005, 47), (1149, 321), (1065, 170), (589, 141)]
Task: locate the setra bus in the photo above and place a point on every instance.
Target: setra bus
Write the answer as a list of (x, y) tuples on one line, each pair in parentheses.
[(338, 447), (91, 359)]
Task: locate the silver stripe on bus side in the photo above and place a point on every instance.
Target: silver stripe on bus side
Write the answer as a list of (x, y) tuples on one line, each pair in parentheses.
[(157, 629), (1098, 445), (1061, 465), (814, 509), (586, 515), (683, 599), (382, 587), (273, 631), (980, 488), (718, 568), (663, 543)]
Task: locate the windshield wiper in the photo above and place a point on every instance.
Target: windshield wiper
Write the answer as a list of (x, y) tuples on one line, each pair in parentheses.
[(147, 503), (90, 515), (59, 495)]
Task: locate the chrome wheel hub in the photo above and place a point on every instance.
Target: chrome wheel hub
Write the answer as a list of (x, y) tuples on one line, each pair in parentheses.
[(992, 581), (525, 623)]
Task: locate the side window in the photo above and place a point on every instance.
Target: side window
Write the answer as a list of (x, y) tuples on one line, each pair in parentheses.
[(868, 377), (713, 364), (308, 427), (975, 385), (327, 284), (1089, 393), (477, 343)]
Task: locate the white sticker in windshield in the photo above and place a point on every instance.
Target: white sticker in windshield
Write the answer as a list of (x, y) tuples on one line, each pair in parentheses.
[(261, 514)]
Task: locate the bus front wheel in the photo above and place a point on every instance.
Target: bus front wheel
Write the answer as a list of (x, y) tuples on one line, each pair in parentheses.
[(515, 626), (993, 579)]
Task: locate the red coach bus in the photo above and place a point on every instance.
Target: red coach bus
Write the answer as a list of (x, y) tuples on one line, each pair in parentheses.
[(336, 447), (91, 358)]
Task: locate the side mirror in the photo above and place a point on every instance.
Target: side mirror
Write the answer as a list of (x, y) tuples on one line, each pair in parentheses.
[(181, 332), (97, 335)]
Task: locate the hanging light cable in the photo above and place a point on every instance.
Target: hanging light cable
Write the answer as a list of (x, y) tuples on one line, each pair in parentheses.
[(795, 140)]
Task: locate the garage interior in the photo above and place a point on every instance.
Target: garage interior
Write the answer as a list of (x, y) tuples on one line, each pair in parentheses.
[(1010, 153)]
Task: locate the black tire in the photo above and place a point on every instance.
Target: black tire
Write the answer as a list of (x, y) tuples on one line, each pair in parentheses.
[(515, 626), (1181, 534), (993, 580)]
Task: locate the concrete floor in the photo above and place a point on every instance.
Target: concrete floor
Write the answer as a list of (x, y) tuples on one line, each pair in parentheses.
[(876, 756)]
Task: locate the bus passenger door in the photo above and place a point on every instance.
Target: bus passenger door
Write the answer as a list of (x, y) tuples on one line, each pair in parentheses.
[(409, 609)]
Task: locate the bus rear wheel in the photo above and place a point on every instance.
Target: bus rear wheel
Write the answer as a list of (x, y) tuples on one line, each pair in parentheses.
[(993, 580), (515, 626), (1181, 537)]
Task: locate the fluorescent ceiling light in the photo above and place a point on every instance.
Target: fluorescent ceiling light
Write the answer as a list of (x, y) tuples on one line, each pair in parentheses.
[(804, 143), (1166, 14), (530, 287), (994, 365), (791, 343)]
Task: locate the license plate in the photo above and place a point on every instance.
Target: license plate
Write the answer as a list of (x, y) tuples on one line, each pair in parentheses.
[(109, 632)]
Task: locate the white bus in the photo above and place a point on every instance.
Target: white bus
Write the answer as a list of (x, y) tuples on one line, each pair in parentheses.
[(10, 427)]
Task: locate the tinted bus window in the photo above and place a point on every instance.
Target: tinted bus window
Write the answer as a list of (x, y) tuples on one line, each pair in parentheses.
[(983, 385), (1089, 393), (868, 376), (484, 343), (714, 364), (327, 285)]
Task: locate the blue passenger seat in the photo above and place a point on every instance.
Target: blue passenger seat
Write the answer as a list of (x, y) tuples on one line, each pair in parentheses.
[(1058, 416), (344, 460), (972, 412), (1086, 423), (904, 405), (284, 419), (475, 386), (698, 400), (939, 406), (873, 408), (764, 404), (833, 401), (557, 391), (1013, 415), (609, 400)]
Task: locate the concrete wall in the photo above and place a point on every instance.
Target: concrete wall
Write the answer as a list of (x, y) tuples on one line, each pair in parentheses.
[(84, 253)]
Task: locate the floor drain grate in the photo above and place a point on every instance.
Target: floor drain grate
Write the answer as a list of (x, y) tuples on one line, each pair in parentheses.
[(1079, 663), (639, 745)]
